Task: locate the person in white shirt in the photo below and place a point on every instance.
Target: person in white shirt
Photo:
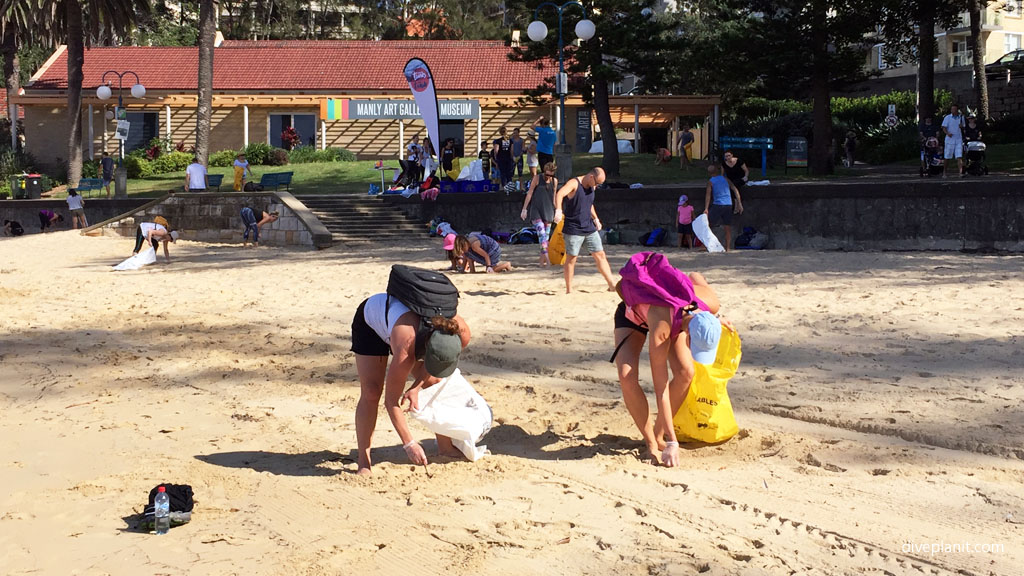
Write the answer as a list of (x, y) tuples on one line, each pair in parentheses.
[(153, 233), (412, 156), (195, 177), (76, 206), (953, 127)]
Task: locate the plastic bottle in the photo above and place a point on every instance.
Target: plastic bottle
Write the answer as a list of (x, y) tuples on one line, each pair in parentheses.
[(162, 511)]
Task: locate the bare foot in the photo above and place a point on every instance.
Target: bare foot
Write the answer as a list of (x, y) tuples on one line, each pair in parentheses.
[(364, 471)]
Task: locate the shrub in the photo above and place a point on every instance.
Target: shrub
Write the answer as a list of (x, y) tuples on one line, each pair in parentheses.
[(344, 155), (257, 152), (91, 169), (881, 145), (171, 162), (1004, 130), (277, 157), (307, 154), (138, 167), (223, 159)]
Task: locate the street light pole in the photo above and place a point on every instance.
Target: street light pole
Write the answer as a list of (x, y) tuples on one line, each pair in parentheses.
[(537, 31), (104, 93)]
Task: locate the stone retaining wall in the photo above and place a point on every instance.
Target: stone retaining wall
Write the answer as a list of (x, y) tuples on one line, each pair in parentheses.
[(26, 212), (909, 214), (215, 217)]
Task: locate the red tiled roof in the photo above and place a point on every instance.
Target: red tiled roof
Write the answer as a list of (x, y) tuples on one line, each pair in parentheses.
[(297, 65)]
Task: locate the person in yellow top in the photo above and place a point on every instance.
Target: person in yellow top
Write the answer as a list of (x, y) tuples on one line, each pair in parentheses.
[(241, 168)]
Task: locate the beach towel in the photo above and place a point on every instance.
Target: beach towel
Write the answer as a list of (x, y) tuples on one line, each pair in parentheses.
[(702, 230), (706, 414), (454, 409), (144, 258)]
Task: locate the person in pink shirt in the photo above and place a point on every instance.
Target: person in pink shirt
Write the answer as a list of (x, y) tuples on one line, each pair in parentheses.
[(684, 219)]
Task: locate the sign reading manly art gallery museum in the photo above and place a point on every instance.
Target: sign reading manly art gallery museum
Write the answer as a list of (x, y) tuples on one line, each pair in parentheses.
[(344, 109)]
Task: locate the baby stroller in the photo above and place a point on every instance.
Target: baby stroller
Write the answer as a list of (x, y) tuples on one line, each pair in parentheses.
[(931, 158), (974, 158)]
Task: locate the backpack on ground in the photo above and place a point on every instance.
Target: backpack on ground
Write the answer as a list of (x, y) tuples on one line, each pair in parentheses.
[(252, 187), (648, 278), (524, 236), (425, 292), (655, 237)]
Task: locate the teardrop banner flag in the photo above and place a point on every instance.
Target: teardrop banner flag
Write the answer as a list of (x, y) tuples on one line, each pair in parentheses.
[(421, 81)]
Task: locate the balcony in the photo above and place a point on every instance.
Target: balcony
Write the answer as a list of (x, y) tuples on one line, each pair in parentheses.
[(959, 59), (990, 20)]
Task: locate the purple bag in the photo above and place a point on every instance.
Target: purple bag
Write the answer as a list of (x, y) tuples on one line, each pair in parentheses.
[(648, 278)]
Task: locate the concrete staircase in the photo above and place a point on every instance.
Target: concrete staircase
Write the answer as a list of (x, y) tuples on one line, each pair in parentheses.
[(358, 219)]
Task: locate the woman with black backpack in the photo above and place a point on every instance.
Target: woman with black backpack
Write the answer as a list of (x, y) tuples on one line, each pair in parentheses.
[(426, 347)]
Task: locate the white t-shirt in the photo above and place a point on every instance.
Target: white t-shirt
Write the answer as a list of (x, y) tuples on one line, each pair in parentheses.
[(196, 176), (147, 226), (413, 152), (373, 313), (74, 202), (954, 124)]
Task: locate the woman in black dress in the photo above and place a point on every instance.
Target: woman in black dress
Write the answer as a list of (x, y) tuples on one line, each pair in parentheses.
[(735, 169)]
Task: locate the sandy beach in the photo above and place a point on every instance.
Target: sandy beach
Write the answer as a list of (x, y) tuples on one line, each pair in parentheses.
[(880, 400)]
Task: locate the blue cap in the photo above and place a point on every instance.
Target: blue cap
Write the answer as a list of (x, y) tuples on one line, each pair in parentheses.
[(705, 332)]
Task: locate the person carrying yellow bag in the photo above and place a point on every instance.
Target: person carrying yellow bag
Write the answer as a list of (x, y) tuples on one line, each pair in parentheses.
[(676, 314)]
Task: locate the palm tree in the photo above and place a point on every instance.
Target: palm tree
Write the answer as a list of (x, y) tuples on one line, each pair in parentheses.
[(204, 108)]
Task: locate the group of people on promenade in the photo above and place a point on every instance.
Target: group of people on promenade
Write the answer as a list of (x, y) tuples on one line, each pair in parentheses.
[(509, 159), (954, 132)]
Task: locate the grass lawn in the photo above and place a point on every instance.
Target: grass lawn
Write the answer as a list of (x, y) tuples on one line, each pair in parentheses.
[(356, 177)]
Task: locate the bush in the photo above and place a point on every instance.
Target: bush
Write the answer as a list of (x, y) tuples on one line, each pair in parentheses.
[(277, 157), (307, 154), (171, 162), (881, 145), (1005, 130), (91, 169), (257, 153), (138, 167), (223, 159), (344, 154)]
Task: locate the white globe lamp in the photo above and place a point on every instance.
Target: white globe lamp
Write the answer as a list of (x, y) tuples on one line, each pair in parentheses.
[(103, 92), (537, 30), (138, 91), (585, 30), (109, 114)]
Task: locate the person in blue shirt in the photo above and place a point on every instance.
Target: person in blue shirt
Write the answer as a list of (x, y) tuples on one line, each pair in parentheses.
[(718, 204), (545, 141)]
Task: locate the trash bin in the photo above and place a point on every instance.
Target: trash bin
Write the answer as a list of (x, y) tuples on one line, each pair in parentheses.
[(33, 186), (17, 187)]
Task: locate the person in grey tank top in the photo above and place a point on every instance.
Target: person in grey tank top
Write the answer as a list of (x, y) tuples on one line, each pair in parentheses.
[(539, 207), (582, 226)]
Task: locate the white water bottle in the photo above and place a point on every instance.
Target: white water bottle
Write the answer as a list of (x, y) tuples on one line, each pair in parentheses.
[(162, 511)]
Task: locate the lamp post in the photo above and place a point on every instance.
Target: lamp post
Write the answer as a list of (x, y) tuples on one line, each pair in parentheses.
[(104, 93), (537, 31)]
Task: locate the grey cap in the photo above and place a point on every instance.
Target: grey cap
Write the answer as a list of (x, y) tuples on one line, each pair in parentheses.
[(442, 354)]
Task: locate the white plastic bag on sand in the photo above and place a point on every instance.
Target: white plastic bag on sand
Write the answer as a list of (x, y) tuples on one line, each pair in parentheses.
[(703, 231), (453, 408), (147, 256), (760, 183)]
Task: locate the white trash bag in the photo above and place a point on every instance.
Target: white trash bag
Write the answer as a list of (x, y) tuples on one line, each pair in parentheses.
[(702, 229), (473, 172), (144, 258), (454, 409)]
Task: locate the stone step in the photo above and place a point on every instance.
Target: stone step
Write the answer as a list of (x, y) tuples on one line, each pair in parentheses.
[(356, 219)]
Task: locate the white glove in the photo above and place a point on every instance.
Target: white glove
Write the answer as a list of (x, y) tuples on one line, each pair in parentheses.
[(670, 455), (415, 453), (522, 215), (597, 222), (558, 216)]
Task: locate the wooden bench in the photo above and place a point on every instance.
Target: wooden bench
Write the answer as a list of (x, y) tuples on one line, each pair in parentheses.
[(89, 184), (214, 180), (276, 179)]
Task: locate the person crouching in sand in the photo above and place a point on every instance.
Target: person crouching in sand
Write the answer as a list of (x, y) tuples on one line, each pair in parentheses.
[(153, 233), (480, 249), (384, 326), (697, 341)]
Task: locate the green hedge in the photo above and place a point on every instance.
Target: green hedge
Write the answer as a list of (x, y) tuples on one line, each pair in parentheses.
[(308, 154), (171, 162), (223, 159), (138, 167), (258, 153)]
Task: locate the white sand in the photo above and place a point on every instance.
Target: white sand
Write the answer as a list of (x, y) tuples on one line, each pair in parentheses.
[(880, 398)]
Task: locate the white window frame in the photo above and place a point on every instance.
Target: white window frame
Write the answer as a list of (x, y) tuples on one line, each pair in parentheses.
[(1013, 8), (1006, 37)]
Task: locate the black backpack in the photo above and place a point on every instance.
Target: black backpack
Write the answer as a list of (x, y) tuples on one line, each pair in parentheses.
[(252, 187), (16, 229), (425, 292)]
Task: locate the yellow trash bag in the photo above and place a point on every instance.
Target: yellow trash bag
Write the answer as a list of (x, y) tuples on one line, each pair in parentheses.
[(456, 168), (706, 414)]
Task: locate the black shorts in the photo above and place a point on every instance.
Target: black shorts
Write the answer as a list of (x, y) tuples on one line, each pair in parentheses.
[(622, 322), (365, 341), (720, 215), (685, 229)]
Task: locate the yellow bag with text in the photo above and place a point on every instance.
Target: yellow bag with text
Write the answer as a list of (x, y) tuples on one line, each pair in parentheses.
[(706, 414)]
